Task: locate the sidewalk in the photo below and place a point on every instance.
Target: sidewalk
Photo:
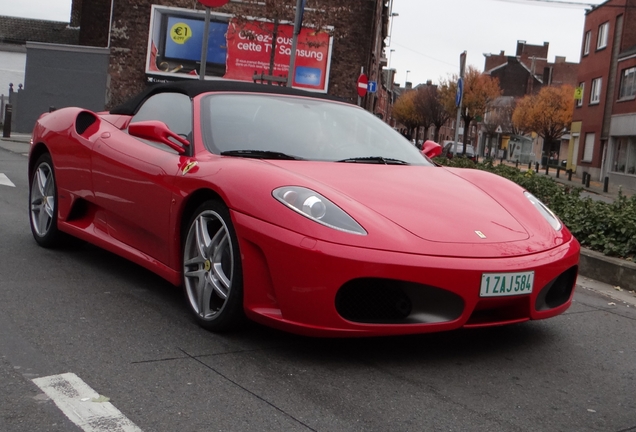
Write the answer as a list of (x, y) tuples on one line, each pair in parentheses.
[(17, 143), (594, 191)]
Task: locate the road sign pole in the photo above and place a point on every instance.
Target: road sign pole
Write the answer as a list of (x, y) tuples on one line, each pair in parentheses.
[(204, 47), (297, 27), (462, 68), (206, 31)]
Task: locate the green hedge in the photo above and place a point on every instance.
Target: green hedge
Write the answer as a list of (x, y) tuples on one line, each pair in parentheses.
[(606, 228)]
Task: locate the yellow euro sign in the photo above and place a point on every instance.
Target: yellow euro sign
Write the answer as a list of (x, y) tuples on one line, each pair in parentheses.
[(180, 33)]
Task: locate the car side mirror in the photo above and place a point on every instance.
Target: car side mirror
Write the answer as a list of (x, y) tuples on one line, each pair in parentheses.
[(158, 131), (431, 149)]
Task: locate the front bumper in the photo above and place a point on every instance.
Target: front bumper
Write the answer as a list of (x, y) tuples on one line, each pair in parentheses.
[(307, 286)]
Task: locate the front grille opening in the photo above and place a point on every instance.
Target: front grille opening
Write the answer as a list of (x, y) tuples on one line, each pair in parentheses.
[(558, 291), (388, 301)]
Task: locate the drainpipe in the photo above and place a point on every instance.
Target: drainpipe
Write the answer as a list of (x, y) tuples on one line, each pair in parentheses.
[(110, 22)]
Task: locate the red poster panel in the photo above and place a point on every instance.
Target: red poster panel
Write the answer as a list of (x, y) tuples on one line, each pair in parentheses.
[(249, 49), (237, 49)]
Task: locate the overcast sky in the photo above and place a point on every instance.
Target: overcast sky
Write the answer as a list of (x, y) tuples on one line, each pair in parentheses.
[(429, 35)]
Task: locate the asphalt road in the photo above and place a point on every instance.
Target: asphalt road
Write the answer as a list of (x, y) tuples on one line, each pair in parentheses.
[(128, 335)]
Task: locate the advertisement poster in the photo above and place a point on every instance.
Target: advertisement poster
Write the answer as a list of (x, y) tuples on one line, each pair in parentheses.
[(235, 51)]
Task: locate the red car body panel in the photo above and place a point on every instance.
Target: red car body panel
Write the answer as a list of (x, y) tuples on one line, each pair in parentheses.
[(422, 225), (286, 291)]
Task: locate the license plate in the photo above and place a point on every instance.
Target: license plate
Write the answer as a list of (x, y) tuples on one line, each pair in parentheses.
[(506, 284)]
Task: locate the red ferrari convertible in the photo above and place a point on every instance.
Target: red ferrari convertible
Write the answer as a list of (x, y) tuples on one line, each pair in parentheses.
[(296, 211)]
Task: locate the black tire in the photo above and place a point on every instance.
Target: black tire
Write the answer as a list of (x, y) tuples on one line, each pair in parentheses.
[(212, 271), (43, 204)]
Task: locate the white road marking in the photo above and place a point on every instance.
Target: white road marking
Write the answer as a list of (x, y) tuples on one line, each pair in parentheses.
[(4, 181), (83, 405)]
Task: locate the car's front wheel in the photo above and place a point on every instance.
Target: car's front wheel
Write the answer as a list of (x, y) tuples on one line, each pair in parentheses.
[(212, 271), (43, 204)]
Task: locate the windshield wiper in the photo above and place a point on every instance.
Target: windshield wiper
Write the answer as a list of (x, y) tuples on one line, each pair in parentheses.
[(260, 154), (375, 160)]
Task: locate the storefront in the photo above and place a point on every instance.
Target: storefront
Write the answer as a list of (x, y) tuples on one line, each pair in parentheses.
[(620, 160)]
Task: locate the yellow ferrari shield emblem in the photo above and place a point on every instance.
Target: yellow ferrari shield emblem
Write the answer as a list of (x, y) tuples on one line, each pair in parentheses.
[(188, 167)]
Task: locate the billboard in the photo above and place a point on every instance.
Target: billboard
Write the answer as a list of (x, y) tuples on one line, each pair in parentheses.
[(237, 50)]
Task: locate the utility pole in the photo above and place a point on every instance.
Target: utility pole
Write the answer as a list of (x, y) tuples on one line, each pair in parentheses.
[(459, 99), (298, 23)]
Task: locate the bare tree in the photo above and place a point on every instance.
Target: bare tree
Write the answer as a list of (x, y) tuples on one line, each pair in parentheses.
[(498, 118), (427, 102)]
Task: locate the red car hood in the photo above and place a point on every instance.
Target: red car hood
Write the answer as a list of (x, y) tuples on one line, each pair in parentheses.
[(432, 203)]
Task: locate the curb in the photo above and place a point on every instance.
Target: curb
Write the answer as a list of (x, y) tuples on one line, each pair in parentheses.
[(613, 271)]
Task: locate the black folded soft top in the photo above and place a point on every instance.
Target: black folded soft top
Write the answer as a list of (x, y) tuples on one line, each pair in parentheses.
[(193, 88)]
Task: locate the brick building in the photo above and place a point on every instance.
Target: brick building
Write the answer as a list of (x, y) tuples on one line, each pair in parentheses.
[(525, 73), (529, 70), (604, 121), (359, 30)]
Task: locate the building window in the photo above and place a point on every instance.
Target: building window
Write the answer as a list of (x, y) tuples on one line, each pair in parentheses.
[(588, 152), (580, 94), (628, 84), (586, 43), (625, 156), (603, 34), (595, 91)]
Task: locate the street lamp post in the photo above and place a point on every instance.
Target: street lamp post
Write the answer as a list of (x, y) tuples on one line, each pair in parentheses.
[(393, 15), (391, 51), (406, 80)]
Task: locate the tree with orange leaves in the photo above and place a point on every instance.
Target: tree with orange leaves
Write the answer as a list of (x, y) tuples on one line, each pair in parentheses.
[(405, 111), (548, 113), (479, 91)]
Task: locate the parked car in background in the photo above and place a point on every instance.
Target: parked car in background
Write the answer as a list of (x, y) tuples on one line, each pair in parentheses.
[(452, 147)]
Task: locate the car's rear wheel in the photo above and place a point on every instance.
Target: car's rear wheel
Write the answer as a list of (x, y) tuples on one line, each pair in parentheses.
[(212, 271), (43, 203)]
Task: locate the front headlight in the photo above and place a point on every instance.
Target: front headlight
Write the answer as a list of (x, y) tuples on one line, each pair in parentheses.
[(317, 208), (545, 211)]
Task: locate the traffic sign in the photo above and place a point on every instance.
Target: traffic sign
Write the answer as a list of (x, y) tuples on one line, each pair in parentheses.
[(363, 81), (214, 3), (372, 86), (460, 92)]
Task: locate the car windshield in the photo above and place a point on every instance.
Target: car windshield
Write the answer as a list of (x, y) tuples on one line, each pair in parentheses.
[(290, 127)]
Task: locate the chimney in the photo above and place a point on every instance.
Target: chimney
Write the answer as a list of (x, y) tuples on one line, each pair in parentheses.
[(76, 13), (408, 85)]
